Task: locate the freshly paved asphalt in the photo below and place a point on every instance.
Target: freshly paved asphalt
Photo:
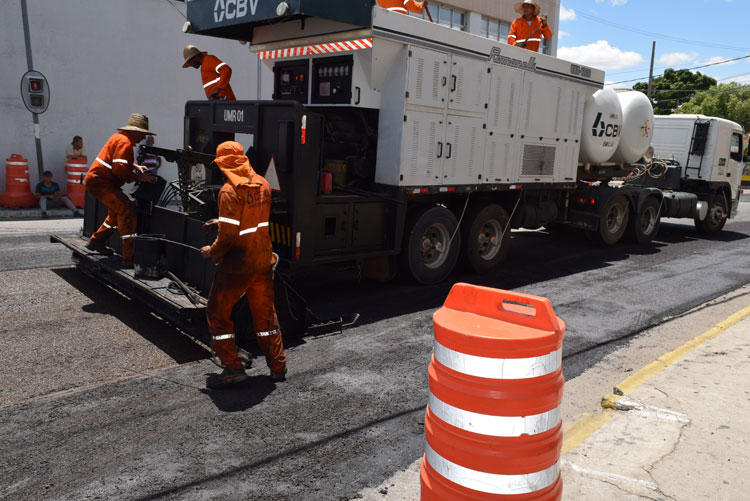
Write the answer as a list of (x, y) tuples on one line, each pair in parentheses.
[(350, 414)]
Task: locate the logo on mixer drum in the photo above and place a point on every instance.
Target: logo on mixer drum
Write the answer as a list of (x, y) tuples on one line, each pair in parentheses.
[(603, 129)]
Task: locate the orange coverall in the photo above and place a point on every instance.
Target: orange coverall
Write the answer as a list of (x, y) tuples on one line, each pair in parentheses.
[(112, 168), (520, 30), (215, 75), (402, 6), (244, 255)]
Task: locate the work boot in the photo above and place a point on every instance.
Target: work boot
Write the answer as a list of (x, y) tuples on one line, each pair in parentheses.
[(44, 215), (99, 248), (227, 379), (278, 377), (127, 264), (77, 213)]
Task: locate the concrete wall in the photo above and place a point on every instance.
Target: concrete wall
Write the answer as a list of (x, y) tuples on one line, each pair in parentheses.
[(104, 59)]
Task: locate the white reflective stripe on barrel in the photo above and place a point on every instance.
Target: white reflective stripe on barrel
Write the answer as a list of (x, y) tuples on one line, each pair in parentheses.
[(498, 368), (494, 426), (75, 180), (491, 483), (267, 333), (22, 180), (222, 337), (16, 163)]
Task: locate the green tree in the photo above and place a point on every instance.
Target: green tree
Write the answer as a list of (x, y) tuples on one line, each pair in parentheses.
[(675, 87), (730, 101)]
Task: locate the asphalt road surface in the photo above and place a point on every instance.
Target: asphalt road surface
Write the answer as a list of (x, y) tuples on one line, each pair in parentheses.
[(123, 412)]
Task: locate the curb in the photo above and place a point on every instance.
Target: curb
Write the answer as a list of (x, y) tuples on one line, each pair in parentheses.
[(585, 426)]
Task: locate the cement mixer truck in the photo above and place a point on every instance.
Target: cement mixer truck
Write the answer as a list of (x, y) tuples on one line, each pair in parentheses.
[(390, 141)]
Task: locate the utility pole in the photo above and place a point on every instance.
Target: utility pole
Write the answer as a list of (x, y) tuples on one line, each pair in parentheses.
[(30, 64), (651, 73)]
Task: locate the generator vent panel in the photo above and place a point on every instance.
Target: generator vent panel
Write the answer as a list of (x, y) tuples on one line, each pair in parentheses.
[(291, 81), (332, 80), (538, 161)]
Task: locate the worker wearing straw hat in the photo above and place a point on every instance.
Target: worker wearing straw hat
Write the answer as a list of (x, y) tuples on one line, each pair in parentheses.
[(113, 167), (215, 73), (527, 30)]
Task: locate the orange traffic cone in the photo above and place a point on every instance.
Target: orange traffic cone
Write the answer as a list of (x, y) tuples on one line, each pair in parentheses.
[(493, 422), (75, 171), (17, 190)]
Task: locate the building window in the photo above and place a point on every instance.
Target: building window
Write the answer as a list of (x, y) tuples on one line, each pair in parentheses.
[(494, 29), (444, 15)]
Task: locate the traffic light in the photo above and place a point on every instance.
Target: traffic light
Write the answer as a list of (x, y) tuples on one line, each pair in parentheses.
[(35, 92), (36, 85)]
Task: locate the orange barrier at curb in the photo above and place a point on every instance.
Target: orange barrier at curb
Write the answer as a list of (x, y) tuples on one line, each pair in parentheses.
[(493, 423), (17, 190), (75, 170)]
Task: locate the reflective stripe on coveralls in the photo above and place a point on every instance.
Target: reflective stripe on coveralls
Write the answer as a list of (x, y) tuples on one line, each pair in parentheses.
[(215, 74), (244, 258), (520, 30)]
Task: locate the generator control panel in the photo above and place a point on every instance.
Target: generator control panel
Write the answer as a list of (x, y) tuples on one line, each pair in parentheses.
[(332, 80), (291, 81)]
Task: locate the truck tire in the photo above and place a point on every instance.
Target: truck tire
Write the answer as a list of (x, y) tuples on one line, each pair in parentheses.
[(614, 220), (428, 254), (486, 238), (717, 215), (644, 226)]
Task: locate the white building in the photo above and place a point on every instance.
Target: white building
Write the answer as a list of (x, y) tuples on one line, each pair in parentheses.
[(105, 59)]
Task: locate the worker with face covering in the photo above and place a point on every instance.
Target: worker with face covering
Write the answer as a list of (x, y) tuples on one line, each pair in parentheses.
[(244, 255)]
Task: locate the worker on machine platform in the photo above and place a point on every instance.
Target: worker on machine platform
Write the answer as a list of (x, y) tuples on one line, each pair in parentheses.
[(113, 167), (214, 72), (244, 255), (527, 30), (402, 6)]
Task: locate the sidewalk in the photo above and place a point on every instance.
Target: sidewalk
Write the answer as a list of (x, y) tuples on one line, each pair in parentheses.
[(682, 433), (36, 213), (678, 429)]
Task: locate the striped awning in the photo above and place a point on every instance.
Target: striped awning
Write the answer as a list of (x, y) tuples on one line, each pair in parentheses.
[(325, 48)]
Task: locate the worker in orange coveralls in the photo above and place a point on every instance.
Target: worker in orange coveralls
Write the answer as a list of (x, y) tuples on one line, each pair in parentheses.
[(246, 262), (113, 167), (402, 6), (527, 30), (215, 73)]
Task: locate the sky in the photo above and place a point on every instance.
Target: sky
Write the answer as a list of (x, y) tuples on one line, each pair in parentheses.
[(616, 36)]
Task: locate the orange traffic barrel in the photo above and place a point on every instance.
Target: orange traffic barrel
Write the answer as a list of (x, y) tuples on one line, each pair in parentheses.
[(493, 423), (17, 190), (75, 171)]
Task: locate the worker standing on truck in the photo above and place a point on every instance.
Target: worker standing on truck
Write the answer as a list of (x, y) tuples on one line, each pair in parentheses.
[(214, 72), (402, 6), (113, 167), (527, 30), (244, 255)]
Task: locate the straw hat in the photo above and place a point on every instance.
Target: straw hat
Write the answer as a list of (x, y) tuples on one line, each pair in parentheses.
[(519, 7), (189, 52), (138, 123)]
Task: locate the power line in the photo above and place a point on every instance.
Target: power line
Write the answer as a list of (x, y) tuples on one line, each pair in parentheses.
[(659, 35), (175, 8), (689, 69)]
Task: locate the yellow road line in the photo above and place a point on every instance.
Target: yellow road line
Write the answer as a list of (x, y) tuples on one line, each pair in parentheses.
[(585, 426), (664, 361)]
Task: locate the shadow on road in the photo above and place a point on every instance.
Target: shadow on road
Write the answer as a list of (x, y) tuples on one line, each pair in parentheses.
[(134, 315), (250, 394)]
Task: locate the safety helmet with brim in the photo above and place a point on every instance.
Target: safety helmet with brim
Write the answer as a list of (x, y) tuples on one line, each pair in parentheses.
[(189, 52), (137, 123), (520, 5)]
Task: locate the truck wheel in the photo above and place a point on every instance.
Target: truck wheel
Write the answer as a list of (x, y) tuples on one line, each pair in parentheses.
[(717, 215), (485, 245), (645, 225), (614, 220), (428, 253)]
